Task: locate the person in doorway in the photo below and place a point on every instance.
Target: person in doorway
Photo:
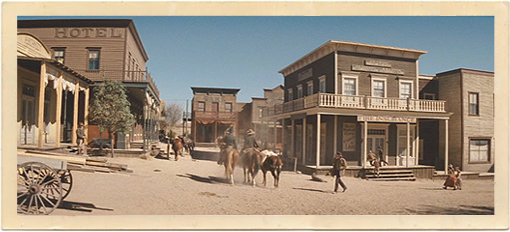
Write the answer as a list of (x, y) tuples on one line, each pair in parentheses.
[(80, 136), (230, 144), (339, 165), (380, 156)]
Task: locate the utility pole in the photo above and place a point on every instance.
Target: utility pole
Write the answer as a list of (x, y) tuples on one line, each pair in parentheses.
[(186, 113)]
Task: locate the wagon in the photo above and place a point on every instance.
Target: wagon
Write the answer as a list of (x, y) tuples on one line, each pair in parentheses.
[(42, 184)]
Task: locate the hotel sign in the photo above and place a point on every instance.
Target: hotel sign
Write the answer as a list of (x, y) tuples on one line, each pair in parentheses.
[(364, 68), (377, 63), (384, 118), (29, 46), (102, 32)]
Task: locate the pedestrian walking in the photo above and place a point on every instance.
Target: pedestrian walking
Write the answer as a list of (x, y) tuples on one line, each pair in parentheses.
[(459, 180), (80, 135), (339, 165)]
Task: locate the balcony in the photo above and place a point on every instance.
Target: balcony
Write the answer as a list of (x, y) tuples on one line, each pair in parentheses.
[(215, 115), (328, 100), (120, 75)]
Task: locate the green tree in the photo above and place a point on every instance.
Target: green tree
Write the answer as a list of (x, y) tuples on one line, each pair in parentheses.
[(110, 109)]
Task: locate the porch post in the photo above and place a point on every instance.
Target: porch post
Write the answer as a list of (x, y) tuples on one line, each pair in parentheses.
[(284, 126), (292, 137), (417, 143), (335, 136), (408, 147), (86, 113), (318, 152), (446, 146), (304, 142), (58, 120), (75, 112), (215, 129), (365, 145), (40, 113), (275, 134)]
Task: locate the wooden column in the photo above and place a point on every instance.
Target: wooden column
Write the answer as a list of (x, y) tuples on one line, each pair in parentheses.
[(335, 136), (275, 130), (408, 147), (75, 112), (446, 147), (58, 116), (318, 152), (292, 138), (304, 142), (365, 145), (86, 113), (40, 108), (417, 143)]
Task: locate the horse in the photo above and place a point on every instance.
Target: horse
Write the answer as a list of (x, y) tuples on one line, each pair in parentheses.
[(177, 147), (231, 156), (188, 144), (273, 163), (251, 161)]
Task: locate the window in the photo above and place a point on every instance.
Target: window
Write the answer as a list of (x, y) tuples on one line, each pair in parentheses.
[(290, 95), (406, 89), (260, 112), (215, 107), (299, 91), (309, 88), (228, 107), (322, 84), (479, 150), (473, 104), (429, 96), (201, 106), (59, 54), (378, 88), (350, 86), (93, 59)]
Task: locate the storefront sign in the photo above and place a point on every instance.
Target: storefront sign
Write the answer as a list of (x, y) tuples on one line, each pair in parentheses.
[(89, 33), (30, 46), (214, 99), (383, 118), (356, 67), (377, 63), (349, 137), (305, 74)]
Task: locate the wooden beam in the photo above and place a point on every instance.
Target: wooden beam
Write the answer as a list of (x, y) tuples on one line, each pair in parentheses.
[(304, 142), (40, 108), (86, 113), (365, 145), (446, 147), (75, 112), (59, 110), (318, 152)]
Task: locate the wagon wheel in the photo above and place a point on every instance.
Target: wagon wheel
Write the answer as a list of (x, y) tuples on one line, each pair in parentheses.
[(67, 182), (39, 189)]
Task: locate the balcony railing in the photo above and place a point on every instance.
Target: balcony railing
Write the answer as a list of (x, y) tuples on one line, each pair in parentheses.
[(120, 75), (215, 114), (357, 102)]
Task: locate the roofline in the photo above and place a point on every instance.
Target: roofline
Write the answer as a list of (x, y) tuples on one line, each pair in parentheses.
[(215, 88), (465, 70), (281, 86), (258, 98), (336, 45), (60, 65)]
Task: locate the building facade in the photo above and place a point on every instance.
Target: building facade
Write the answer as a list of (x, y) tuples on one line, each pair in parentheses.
[(213, 110), (52, 98), (356, 98), (105, 49)]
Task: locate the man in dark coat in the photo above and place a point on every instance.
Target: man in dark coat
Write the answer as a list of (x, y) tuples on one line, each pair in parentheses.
[(80, 136), (339, 165), (230, 144), (250, 141)]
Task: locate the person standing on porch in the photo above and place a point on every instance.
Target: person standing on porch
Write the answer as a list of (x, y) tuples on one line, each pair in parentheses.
[(380, 156), (339, 165), (80, 135)]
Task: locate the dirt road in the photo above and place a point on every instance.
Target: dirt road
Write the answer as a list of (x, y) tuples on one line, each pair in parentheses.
[(197, 187)]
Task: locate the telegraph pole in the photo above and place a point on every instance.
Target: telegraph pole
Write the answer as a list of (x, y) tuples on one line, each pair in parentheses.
[(186, 131)]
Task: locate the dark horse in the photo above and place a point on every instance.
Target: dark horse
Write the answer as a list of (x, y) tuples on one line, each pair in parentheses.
[(250, 160), (230, 157), (177, 147), (188, 144), (273, 163)]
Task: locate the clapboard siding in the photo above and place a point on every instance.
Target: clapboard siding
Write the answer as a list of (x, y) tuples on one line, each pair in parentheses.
[(136, 54), (322, 67)]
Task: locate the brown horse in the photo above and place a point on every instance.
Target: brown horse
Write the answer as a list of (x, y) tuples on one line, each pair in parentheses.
[(273, 163), (177, 147), (251, 160), (230, 158)]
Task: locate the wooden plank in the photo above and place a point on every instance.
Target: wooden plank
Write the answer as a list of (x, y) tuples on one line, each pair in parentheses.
[(78, 160), (97, 159)]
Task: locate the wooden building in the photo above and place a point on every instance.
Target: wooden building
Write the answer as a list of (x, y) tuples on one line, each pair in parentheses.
[(354, 98), (105, 49), (213, 110), (52, 98)]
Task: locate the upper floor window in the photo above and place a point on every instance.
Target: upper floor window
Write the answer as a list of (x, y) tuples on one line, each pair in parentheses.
[(201, 106), (290, 95), (322, 84), (309, 88), (350, 86), (228, 107), (378, 88), (429, 96), (299, 91), (59, 54), (479, 150), (406, 89), (473, 104), (94, 59), (260, 112)]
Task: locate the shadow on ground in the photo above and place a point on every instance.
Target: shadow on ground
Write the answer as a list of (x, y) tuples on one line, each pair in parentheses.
[(312, 190), (205, 155), (209, 179), (80, 206), (461, 210)]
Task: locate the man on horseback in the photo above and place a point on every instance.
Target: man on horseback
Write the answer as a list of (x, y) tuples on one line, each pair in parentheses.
[(249, 140), (230, 145)]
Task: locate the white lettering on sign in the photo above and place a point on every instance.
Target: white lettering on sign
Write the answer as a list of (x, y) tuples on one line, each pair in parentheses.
[(349, 137), (377, 69), (214, 99), (377, 63), (305, 74), (89, 33), (29, 46), (385, 118)]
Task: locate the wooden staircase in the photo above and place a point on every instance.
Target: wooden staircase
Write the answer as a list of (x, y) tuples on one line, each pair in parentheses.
[(390, 175)]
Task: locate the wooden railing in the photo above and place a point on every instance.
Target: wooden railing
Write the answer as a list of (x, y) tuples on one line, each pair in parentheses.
[(120, 75), (357, 102)]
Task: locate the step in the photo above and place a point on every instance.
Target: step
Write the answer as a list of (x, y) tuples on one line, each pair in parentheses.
[(393, 179), (391, 171), (388, 176)]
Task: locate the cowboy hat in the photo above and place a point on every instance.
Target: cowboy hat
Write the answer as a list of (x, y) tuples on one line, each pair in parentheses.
[(250, 132)]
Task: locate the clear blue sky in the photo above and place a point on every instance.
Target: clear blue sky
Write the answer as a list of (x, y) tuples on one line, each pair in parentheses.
[(247, 52)]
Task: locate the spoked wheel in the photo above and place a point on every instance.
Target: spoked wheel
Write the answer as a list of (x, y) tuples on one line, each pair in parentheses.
[(66, 179), (39, 188)]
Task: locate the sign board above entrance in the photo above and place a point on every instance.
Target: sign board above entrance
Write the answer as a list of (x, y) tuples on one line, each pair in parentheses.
[(31, 46), (385, 118), (376, 69)]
